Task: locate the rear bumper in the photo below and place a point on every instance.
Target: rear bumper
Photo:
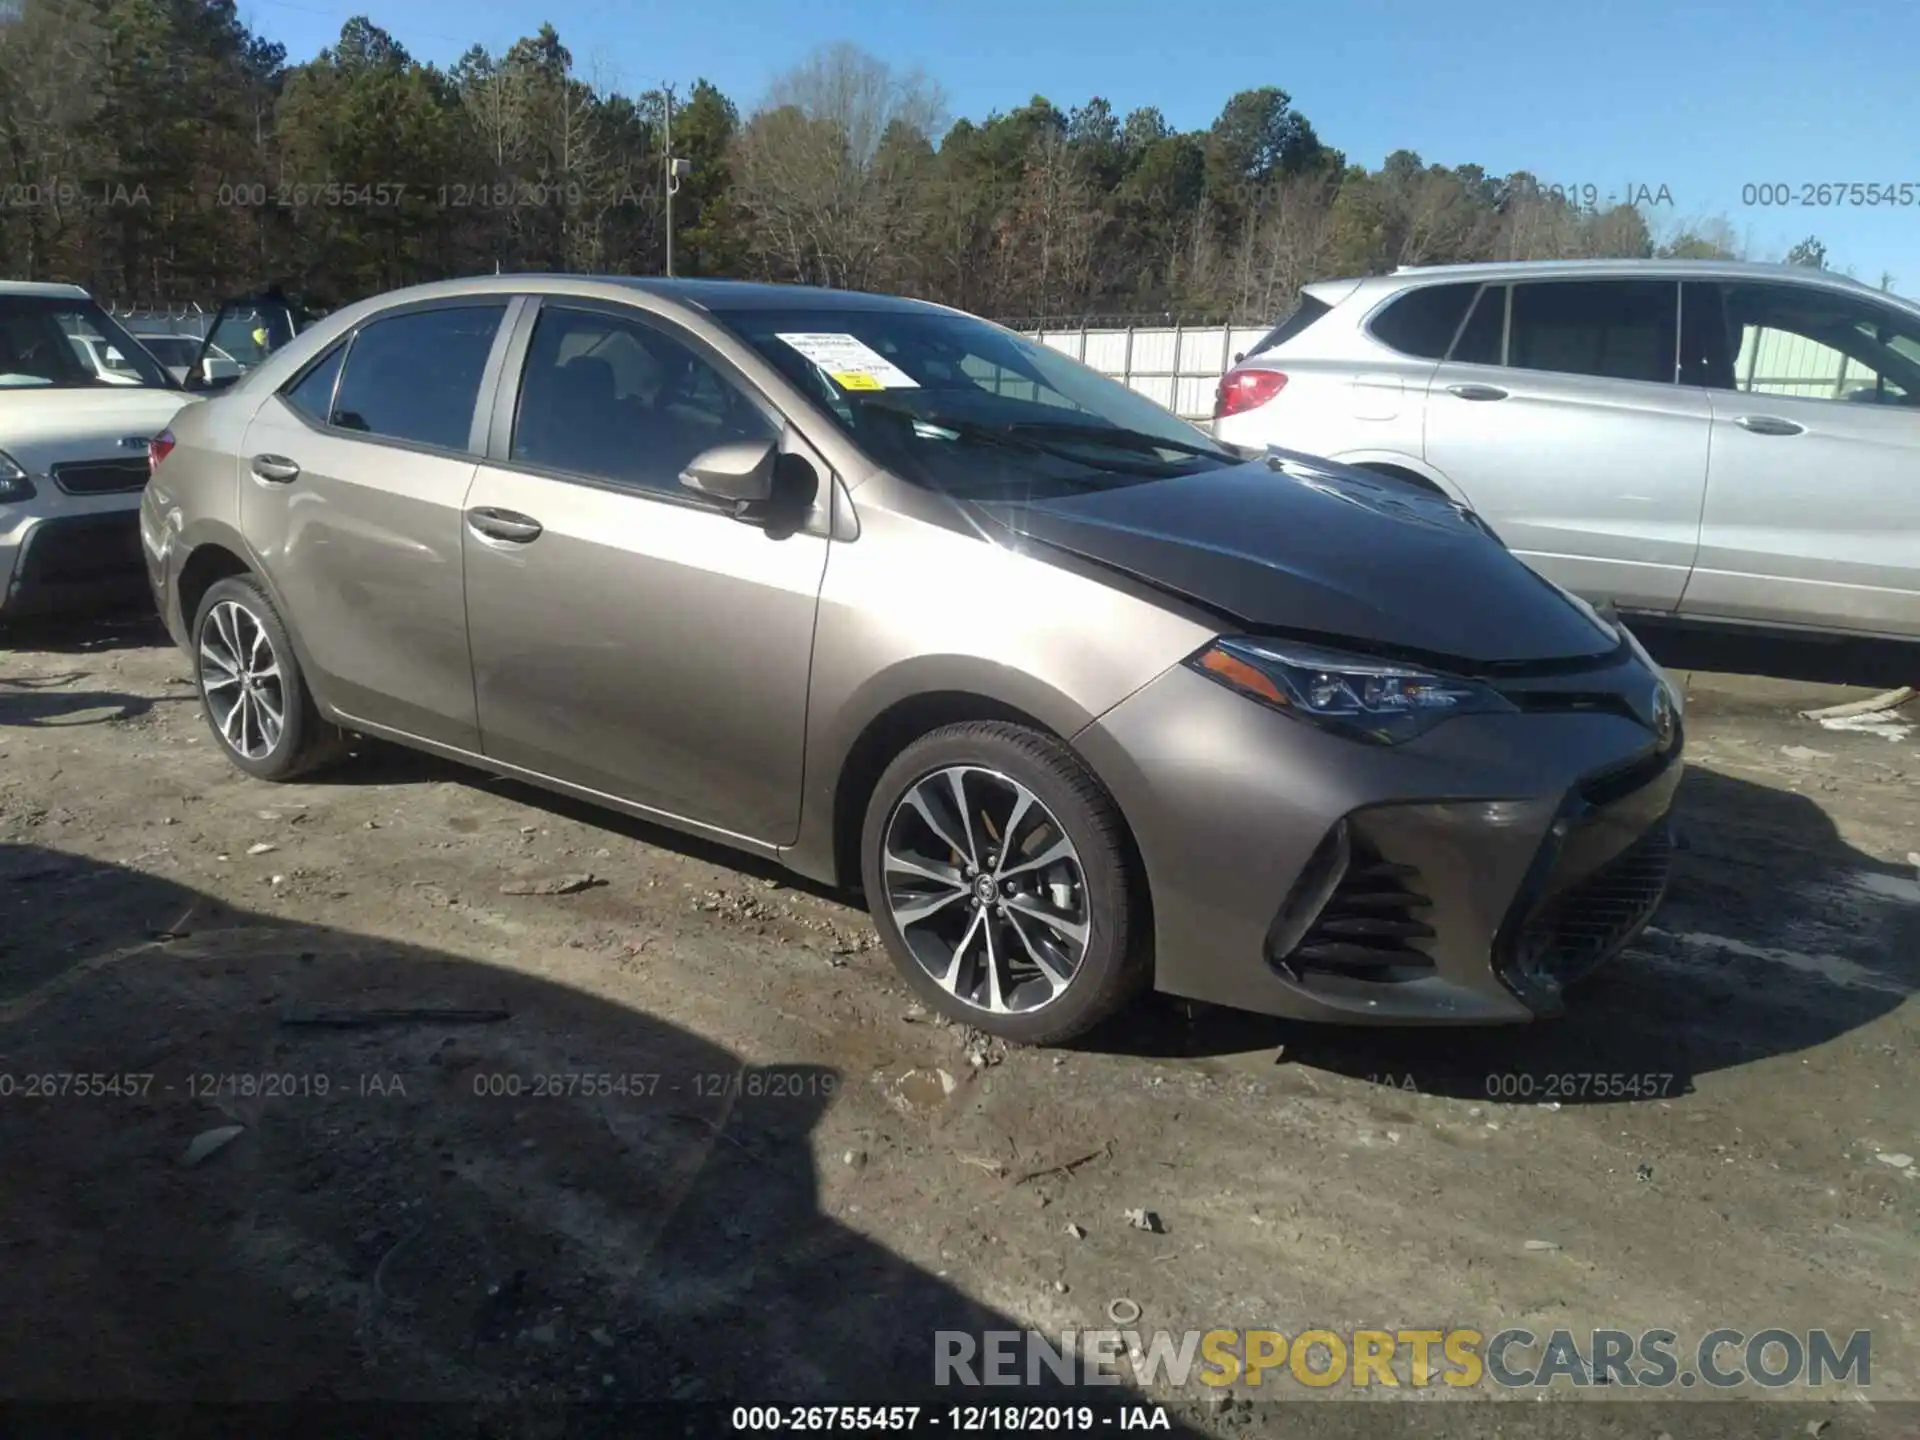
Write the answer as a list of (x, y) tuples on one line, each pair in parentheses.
[(62, 563), (1466, 877)]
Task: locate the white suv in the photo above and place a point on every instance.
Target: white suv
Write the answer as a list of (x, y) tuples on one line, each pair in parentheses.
[(73, 450), (1725, 443)]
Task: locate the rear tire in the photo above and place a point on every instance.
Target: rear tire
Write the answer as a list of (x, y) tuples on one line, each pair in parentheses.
[(1025, 919), (251, 690)]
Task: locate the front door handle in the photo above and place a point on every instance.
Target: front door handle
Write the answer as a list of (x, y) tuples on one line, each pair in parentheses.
[(1769, 425), (1477, 392), (508, 525), (277, 468)]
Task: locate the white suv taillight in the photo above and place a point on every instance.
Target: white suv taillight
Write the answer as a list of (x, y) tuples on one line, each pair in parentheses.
[(1241, 390), (158, 448)]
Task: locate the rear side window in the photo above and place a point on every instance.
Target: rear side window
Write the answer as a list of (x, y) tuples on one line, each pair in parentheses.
[(1616, 329), (1485, 333), (1422, 322), (1304, 314), (416, 377), (312, 395)]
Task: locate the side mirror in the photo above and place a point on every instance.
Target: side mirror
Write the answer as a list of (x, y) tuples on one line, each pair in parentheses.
[(1238, 356), (739, 473)]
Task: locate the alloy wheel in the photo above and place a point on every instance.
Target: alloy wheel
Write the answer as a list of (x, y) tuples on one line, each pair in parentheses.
[(986, 889), (241, 680)]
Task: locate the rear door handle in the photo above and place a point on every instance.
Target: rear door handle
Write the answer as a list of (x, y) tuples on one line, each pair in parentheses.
[(277, 468), (1769, 425), (1477, 392), (508, 525)]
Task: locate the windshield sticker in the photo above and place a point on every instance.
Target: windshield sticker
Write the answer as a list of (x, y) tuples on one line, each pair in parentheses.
[(852, 363)]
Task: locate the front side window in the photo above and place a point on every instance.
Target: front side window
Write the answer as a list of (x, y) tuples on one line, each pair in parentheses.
[(60, 343), (958, 405), (620, 400), (416, 376), (1614, 329), (1811, 344)]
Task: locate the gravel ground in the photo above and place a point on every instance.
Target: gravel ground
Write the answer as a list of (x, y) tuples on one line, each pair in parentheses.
[(695, 1141)]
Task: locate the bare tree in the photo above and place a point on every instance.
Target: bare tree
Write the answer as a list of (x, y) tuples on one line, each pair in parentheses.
[(826, 168)]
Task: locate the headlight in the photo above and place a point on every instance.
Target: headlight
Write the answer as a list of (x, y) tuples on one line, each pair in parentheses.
[(1362, 698), (14, 484)]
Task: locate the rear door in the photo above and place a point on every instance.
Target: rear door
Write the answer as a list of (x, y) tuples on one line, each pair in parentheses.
[(1558, 416), (1812, 510), (354, 476)]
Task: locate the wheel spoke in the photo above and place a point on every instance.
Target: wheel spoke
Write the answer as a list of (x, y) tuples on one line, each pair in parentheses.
[(268, 719), (996, 992), (957, 783), (919, 908), (1061, 925), (949, 979), (1061, 849), (223, 622), (918, 800), (259, 643), (1010, 841), (1048, 964), (925, 869), (234, 725), (229, 671)]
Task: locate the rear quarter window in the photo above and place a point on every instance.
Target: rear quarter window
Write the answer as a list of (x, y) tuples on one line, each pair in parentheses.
[(1422, 323), (1302, 315)]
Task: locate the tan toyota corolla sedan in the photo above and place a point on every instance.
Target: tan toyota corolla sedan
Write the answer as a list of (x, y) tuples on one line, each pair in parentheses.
[(1081, 698)]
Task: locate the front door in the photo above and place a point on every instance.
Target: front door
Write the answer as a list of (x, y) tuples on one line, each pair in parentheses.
[(629, 636), (1560, 421), (352, 482), (1813, 496)]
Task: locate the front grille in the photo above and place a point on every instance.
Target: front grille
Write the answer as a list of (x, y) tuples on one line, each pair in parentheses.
[(1584, 924), (100, 477), (1369, 925)]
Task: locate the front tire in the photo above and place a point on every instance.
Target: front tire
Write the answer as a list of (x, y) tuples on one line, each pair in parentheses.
[(251, 689), (996, 869)]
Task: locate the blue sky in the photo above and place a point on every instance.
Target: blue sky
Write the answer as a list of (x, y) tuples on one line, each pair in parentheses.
[(1702, 99)]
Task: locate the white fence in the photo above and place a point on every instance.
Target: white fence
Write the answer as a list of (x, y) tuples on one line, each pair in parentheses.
[(1176, 365)]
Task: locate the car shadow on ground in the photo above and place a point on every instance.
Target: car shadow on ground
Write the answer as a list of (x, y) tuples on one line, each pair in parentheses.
[(44, 701), (548, 1198), (1776, 936), (89, 633)]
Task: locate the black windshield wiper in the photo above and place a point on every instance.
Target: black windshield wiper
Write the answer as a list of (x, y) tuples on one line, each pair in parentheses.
[(1117, 435), (977, 433)]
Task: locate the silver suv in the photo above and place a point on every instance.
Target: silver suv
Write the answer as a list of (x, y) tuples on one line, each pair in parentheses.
[(1717, 442)]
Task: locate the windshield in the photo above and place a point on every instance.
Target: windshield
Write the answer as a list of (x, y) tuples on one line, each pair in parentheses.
[(958, 405), (64, 343), (171, 349)]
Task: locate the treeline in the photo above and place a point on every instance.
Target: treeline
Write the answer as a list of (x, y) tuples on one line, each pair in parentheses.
[(159, 151)]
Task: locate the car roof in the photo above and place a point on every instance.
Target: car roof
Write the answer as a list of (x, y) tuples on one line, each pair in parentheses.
[(710, 295), (1487, 271), (43, 288)]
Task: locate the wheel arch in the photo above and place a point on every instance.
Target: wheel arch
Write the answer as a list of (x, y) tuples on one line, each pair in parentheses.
[(1403, 467)]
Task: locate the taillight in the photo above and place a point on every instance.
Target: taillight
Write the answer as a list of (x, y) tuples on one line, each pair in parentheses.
[(158, 448), (1244, 389)]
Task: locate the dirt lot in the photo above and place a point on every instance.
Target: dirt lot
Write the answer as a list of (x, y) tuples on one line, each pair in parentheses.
[(394, 1221)]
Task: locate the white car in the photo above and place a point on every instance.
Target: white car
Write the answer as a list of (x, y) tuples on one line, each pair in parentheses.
[(73, 450)]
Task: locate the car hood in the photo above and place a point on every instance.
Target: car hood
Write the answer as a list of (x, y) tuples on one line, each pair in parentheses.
[(1297, 545), (40, 427)]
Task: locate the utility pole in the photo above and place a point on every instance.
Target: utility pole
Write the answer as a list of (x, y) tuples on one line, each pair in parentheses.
[(676, 170)]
